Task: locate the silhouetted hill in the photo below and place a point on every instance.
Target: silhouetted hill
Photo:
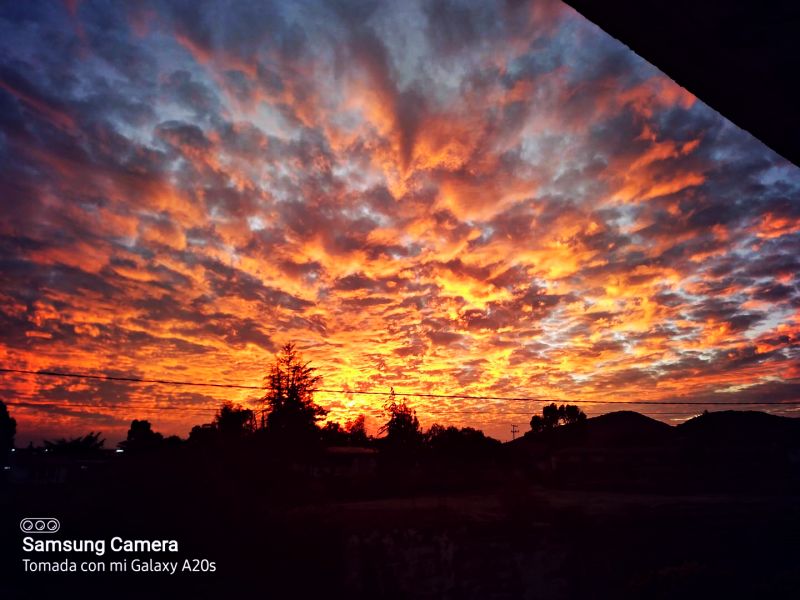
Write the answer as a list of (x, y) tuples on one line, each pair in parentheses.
[(628, 428), (625, 428), (730, 427), (728, 450)]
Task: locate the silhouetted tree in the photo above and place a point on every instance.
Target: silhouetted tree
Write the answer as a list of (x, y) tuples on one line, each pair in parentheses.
[(141, 437), (456, 443), (357, 430), (290, 408), (402, 429), (554, 415), (537, 424), (571, 414), (333, 434), (354, 433), (203, 435), (172, 441), (8, 429), (231, 424), (82, 446), (233, 421)]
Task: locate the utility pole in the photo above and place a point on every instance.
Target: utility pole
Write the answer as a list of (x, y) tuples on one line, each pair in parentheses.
[(514, 430)]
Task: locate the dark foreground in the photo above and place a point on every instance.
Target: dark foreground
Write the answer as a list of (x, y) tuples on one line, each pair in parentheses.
[(486, 532)]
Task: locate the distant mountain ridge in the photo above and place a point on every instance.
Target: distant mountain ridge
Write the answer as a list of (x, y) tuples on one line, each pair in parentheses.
[(741, 427), (627, 427), (726, 450)]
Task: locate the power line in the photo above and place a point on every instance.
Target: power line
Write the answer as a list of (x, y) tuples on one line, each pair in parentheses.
[(35, 404), (130, 379), (101, 406), (204, 409), (402, 394)]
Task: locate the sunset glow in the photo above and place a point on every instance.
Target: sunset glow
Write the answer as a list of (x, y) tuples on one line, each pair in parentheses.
[(452, 198)]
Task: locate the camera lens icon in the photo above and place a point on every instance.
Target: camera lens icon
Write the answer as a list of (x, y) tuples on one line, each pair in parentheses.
[(39, 525)]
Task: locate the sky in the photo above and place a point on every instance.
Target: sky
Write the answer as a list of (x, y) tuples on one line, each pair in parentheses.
[(477, 198)]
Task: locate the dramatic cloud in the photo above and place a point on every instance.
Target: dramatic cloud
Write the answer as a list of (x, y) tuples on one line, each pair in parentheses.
[(445, 197)]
